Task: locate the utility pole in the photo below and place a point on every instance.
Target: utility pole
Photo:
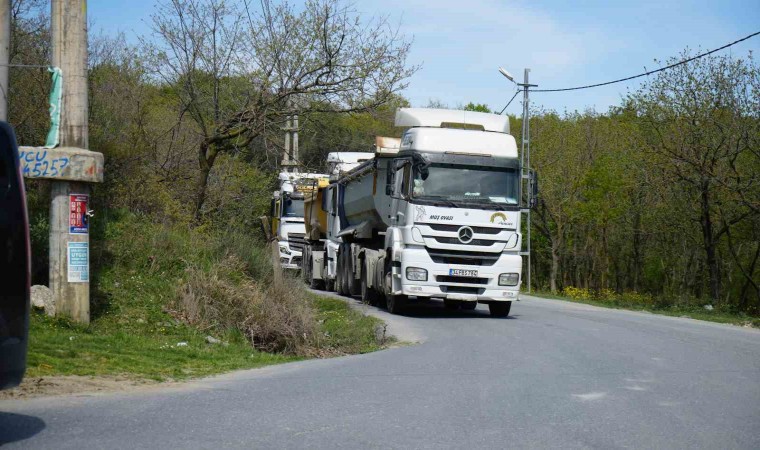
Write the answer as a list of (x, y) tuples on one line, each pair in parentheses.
[(69, 246), (525, 161), (5, 56), (289, 161)]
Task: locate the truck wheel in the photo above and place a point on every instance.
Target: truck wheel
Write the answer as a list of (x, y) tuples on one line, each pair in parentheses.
[(339, 275), (306, 266), (369, 295), (451, 304), (468, 306), (354, 285), (317, 284), (330, 285), (499, 309), (395, 303)]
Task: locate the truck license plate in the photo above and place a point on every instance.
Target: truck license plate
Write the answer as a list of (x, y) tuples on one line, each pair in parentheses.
[(463, 273)]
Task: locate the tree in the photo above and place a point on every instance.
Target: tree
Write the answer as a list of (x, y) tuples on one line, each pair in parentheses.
[(239, 72), (701, 123), (479, 107)]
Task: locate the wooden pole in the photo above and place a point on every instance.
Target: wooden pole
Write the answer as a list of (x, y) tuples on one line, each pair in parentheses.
[(69, 245)]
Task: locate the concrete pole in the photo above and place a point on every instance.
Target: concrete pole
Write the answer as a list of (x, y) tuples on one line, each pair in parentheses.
[(286, 151), (71, 289), (526, 153), (295, 140), (5, 55)]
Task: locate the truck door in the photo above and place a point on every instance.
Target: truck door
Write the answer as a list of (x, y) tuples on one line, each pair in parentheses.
[(400, 191)]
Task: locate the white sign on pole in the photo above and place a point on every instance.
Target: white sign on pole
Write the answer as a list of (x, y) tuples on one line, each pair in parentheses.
[(78, 258)]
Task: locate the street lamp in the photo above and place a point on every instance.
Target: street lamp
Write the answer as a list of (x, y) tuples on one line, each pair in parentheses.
[(524, 151), (509, 76)]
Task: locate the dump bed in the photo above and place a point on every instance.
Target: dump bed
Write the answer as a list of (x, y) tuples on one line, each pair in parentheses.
[(315, 219)]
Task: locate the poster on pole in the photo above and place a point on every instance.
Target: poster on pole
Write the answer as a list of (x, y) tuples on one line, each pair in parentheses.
[(79, 221), (78, 258)]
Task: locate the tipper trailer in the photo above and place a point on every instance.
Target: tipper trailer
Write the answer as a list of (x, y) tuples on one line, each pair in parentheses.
[(435, 216), (322, 228)]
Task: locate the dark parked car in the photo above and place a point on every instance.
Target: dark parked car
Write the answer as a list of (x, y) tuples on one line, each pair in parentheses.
[(15, 256)]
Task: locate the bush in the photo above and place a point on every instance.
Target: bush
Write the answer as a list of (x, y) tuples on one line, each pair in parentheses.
[(576, 293), (223, 298)]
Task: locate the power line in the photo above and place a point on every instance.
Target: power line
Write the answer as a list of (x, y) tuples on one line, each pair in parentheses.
[(651, 71), (34, 66)]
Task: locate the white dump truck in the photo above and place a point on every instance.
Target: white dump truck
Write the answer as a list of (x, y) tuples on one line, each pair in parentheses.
[(287, 215), (434, 215)]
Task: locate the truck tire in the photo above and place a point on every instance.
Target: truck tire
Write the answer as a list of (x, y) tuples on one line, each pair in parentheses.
[(330, 285), (369, 295), (451, 304), (317, 284), (339, 274), (468, 306), (395, 303), (350, 286), (499, 309), (354, 285)]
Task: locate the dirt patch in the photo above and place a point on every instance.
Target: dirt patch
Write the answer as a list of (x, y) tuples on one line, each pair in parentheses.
[(71, 384)]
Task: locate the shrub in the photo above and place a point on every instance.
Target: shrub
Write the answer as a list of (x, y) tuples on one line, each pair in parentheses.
[(223, 298), (576, 293)]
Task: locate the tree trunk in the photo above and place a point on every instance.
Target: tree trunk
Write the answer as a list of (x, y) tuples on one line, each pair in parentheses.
[(206, 156), (709, 242), (555, 265)]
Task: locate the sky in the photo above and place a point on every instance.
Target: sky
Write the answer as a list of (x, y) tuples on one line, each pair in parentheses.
[(461, 44)]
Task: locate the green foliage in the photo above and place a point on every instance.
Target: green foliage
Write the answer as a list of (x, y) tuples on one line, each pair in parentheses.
[(654, 197), (479, 107), (146, 271)]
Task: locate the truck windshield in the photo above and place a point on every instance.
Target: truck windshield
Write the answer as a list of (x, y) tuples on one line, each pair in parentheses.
[(293, 207), (469, 184)]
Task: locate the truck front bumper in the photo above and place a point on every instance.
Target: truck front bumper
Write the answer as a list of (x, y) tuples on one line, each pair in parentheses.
[(441, 284), (289, 258)]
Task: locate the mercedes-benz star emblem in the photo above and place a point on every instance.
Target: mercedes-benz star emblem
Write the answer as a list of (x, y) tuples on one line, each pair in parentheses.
[(465, 235)]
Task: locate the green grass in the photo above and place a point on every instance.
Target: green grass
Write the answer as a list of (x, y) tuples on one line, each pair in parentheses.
[(134, 331), (693, 312), (57, 347), (347, 329)]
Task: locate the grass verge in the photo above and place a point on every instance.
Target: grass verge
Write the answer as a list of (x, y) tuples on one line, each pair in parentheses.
[(160, 290), (718, 314), (174, 351)]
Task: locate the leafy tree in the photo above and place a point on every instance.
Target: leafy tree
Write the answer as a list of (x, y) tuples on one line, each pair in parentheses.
[(700, 121), (479, 107), (239, 72)]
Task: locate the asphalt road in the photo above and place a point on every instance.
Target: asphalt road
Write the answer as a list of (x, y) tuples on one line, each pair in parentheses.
[(553, 375)]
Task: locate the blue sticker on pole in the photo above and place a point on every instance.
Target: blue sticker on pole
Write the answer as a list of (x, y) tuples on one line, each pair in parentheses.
[(79, 221), (78, 258)]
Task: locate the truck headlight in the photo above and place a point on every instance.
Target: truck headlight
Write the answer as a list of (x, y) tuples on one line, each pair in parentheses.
[(416, 274), (509, 279), (284, 249)]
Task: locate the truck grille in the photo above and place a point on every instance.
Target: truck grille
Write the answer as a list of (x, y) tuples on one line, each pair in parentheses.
[(450, 240), (465, 280), (296, 241), (447, 227), (441, 256), (462, 290)]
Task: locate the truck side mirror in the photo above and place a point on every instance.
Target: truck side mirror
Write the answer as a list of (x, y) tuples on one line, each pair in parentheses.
[(533, 183), (399, 169)]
